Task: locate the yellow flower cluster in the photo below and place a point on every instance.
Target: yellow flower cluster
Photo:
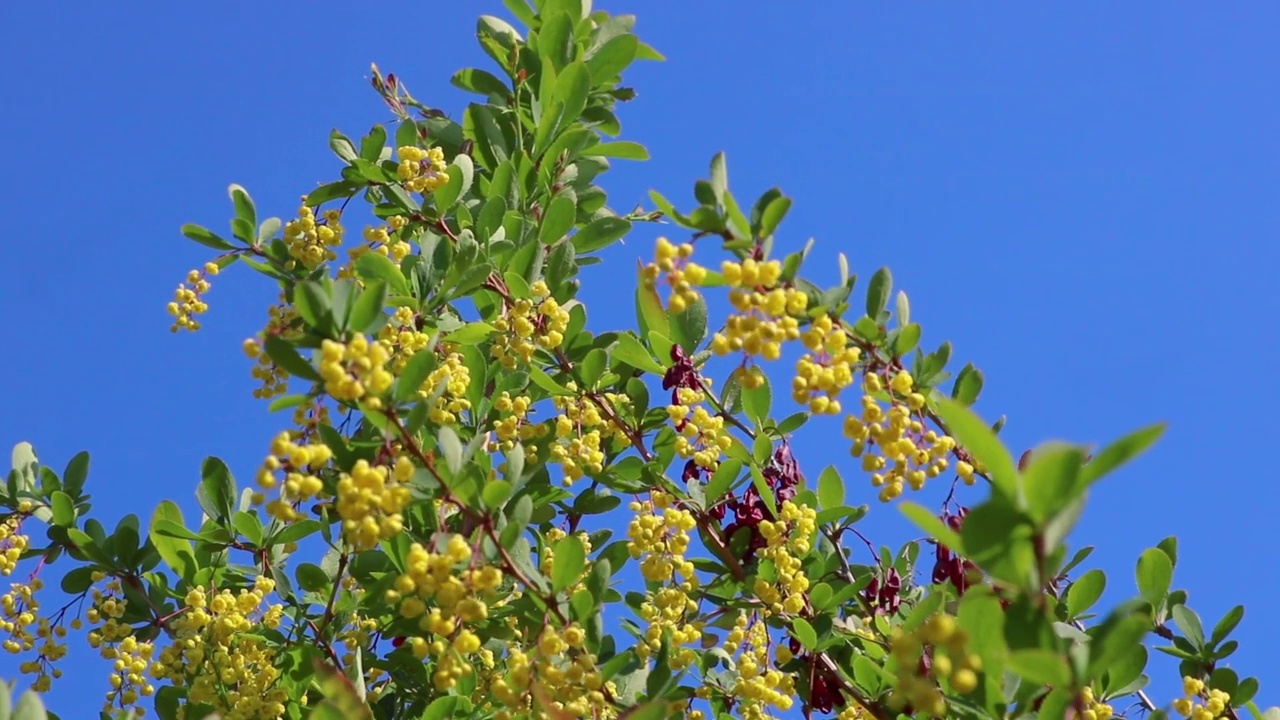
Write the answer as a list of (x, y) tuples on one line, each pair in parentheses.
[(826, 369), (787, 541), (402, 336), (216, 655), (131, 658), (759, 685), (700, 435), (355, 635), (114, 641), (309, 417), (26, 630), (444, 599), (565, 673), (355, 369), (1214, 705), (581, 431), (384, 241), (766, 314), (12, 541), (299, 464), (658, 536), (312, 242), (529, 324), (950, 663), (514, 425), (682, 275), (1094, 710), (894, 446), (371, 499), (188, 299), (451, 379), (853, 711), (422, 170), (281, 320)]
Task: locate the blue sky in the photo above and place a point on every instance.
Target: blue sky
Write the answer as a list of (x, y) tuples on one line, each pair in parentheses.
[(1082, 198)]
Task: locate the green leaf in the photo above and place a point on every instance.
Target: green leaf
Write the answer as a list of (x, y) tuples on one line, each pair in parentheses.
[(976, 436), (1227, 624), (804, 632), (311, 577), (29, 707), (878, 291), (612, 57), (1040, 666), (331, 191), (719, 177), (479, 126), (447, 194), (830, 488), (766, 493), (414, 374), (517, 520), (573, 84), (1085, 591), (546, 382), (479, 81), (902, 308), (205, 237), (495, 493), (927, 521), (1189, 623), (1050, 479), (286, 357), (471, 333), (772, 215), (558, 219), (342, 147), (907, 339), (1121, 452), (567, 565), (650, 314), (981, 616), (1155, 575), (219, 487), (176, 553), (600, 233), (295, 531), (721, 480), (757, 401), (373, 266), (246, 215), (76, 472), (621, 149), (629, 350), (373, 143), (998, 539), (249, 526), (451, 449), (64, 511), (968, 385), (689, 326), (315, 305), (555, 39), (1116, 637), (1170, 547), (442, 708), (368, 306)]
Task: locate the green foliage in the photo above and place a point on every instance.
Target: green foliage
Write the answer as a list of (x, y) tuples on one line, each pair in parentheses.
[(442, 533)]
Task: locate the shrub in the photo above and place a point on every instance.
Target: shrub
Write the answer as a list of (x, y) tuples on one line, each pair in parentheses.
[(464, 440)]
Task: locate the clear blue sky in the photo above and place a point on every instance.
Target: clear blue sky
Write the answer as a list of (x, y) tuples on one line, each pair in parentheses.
[(1084, 198)]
